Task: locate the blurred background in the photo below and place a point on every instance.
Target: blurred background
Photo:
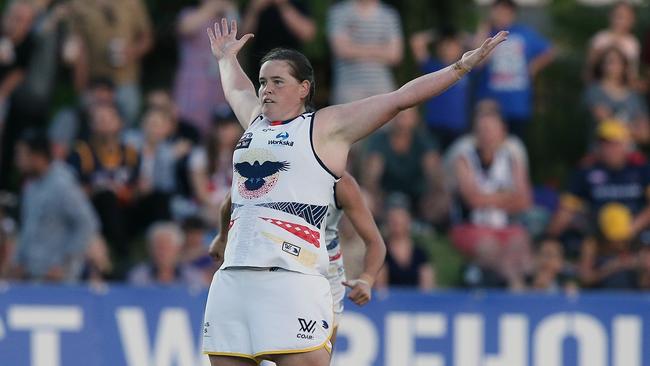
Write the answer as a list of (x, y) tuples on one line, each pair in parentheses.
[(529, 175), (117, 140)]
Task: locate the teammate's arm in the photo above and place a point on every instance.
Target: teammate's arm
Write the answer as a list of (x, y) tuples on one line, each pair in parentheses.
[(218, 245), (353, 121), (238, 88), (349, 196)]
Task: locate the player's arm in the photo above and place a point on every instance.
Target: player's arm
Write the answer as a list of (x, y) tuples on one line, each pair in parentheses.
[(353, 121), (350, 198), (218, 245), (237, 87)]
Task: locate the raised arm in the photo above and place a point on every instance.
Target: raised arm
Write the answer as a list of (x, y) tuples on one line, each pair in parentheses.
[(353, 121), (350, 198), (237, 87)]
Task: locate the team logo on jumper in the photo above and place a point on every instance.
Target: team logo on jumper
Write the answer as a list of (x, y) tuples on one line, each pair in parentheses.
[(257, 173), (245, 141), (307, 328), (291, 249)]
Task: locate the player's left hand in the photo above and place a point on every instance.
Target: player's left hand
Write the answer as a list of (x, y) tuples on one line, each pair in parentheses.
[(361, 292), (475, 57)]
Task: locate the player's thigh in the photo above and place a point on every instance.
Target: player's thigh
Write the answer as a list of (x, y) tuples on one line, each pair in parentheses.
[(230, 361), (319, 357)]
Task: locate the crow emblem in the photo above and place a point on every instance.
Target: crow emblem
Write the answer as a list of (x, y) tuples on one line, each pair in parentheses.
[(256, 172)]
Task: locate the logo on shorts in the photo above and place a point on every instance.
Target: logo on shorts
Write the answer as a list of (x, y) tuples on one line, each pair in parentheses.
[(306, 328), (205, 329), (291, 249), (325, 325)]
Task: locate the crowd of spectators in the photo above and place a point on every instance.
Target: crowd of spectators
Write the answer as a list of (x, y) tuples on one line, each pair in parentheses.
[(124, 184)]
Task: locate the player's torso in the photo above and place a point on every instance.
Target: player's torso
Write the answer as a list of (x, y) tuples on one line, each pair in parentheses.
[(280, 197)]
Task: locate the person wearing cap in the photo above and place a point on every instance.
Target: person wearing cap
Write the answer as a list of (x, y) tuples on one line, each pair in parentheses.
[(615, 176), (606, 258)]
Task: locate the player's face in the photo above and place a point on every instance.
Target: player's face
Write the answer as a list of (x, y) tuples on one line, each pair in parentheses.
[(281, 94)]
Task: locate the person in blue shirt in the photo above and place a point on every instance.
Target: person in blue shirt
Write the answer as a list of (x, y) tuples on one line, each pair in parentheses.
[(508, 76), (446, 114)]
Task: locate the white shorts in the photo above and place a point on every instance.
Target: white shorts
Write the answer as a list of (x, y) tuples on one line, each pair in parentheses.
[(254, 313), (336, 276)]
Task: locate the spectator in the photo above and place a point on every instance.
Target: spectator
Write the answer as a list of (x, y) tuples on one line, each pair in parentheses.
[(509, 74), (197, 90), (552, 273), (606, 259), (611, 96), (277, 23), (406, 264), (57, 220), (404, 160), (195, 248), (111, 37), (210, 166), (493, 187), (107, 169), (620, 35), (366, 40), (165, 241), (16, 48), (182, 129), (613, 177), (157, 168), (71, 123), (446, 114)]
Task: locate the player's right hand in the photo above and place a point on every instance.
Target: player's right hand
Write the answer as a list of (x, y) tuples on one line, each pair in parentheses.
[(224, 42)]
